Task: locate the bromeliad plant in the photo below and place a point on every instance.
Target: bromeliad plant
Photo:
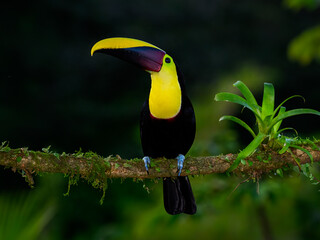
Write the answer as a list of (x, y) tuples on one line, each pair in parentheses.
[(268, 118)]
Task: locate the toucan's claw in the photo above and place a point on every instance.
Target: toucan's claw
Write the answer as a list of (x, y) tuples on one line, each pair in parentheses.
[(180, 159), (147, 163)]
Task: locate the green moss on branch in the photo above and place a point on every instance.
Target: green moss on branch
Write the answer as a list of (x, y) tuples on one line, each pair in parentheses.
[(97, 169)]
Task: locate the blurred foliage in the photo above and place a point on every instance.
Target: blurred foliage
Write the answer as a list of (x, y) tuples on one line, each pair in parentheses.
[(130, 212), (306, 47), (281, 206), (300, 4), (24, 215)]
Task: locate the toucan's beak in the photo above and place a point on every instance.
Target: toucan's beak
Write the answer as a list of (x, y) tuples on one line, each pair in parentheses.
[(143, 54)]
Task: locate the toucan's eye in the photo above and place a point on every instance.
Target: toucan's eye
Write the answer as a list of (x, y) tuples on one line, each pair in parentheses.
[(168, 60)]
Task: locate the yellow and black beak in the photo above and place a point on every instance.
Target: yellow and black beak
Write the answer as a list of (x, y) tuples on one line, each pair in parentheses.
[(140, 53)]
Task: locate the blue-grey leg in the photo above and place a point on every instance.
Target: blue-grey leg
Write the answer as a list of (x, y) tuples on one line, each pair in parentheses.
[(147, 163), (180, 159)]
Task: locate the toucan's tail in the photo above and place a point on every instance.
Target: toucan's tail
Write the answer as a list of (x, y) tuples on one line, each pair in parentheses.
[(178, 196)]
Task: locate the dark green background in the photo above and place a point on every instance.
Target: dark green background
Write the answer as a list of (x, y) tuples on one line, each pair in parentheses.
[(53, 93)]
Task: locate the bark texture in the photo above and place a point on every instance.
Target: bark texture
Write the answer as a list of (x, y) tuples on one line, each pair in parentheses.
[(91, 166)]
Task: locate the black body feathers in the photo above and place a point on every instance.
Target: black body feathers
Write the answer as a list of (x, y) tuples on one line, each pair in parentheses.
[(169, 138)]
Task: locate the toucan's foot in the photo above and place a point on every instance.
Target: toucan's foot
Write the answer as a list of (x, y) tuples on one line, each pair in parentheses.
[(147, 163), (180, 159)]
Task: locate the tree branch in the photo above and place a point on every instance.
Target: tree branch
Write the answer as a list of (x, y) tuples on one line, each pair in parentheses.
[(93, 167)]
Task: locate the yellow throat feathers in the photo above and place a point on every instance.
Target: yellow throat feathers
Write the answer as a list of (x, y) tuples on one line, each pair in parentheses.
[(165, 94)]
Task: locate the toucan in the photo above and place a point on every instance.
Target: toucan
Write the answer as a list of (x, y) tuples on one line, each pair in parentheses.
[(167, 121)]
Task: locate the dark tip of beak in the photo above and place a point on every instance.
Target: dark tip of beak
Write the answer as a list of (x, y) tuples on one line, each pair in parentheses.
[(147, 58)]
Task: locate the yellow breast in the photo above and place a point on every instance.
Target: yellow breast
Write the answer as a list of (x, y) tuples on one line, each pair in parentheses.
[(165, 93)]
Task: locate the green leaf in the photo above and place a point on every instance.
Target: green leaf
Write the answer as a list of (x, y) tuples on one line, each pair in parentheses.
[(294, 112), (285, 148), (116, 165), (240, 122), (127, 165), (107, 164), (296, 169), (246, 92), (276, 127), (57, 155), (306, 171), (46, 150), (268, 100), (252, 145), (296, 159), (243, 162), (313, 145), (248, 150), (286, 129), (280, 105), (231, 97), (279, 172), (304, 150), (19, 159), (5, 149)]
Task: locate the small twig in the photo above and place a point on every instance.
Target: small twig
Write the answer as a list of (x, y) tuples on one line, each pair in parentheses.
[(29, 177), (258, 186), (296, 159), (317, 179), (257, 178), (238, 186)]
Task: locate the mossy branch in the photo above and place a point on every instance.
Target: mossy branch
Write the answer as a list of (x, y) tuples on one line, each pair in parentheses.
[(95, 168)]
